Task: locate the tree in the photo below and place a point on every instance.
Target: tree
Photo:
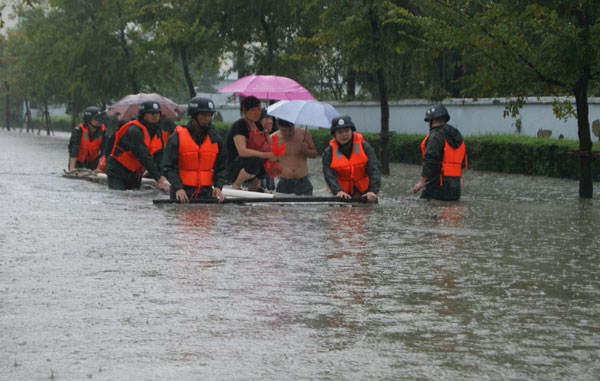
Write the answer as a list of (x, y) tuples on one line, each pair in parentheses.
[(187, 30), (372, 35), (533, 48), (264, 38), (35, 54)]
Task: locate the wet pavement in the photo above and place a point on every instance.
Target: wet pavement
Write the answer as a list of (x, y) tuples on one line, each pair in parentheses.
[(100, 284)]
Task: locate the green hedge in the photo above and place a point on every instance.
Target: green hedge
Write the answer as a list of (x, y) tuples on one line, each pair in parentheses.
[(527, 155), (497, 153), (57, 123)]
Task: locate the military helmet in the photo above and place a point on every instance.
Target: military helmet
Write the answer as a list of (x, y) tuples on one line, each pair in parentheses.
[(90, 113), (341, 121), (148, 106), (200, 104), (435, 112)]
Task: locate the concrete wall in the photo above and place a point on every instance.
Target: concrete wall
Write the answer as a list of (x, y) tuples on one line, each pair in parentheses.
[(484, 116)]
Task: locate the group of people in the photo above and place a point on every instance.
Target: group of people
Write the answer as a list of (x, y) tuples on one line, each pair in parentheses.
[(193, 162)]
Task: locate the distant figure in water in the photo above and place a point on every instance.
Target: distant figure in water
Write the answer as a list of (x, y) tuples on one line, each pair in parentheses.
[(195, 159), (87, 141), (350, 165), (444, 156)]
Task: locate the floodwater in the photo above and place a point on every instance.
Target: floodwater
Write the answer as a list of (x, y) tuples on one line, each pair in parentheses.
[(99, 284)]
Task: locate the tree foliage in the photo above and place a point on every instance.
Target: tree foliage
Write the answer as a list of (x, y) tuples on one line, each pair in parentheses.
[(528, 48), (83, 52)]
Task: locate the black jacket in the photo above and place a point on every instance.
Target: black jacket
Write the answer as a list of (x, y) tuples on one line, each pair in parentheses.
[(133, 140), (171, 158), (432, 164), (372, 169), (75, 140)]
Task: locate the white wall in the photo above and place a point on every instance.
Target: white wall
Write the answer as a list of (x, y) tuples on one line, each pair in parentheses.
[(484, 116), (8, 16)]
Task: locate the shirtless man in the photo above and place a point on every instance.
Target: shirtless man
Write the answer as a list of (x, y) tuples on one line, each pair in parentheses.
[(299, 145)]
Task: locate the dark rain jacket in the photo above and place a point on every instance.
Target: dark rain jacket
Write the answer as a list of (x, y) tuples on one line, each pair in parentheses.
[(133, 140), (75, 142), (432, 164), (171, 161), (372, 168)]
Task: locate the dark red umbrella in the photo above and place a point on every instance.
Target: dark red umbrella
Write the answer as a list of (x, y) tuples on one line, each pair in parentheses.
[(127, 107)]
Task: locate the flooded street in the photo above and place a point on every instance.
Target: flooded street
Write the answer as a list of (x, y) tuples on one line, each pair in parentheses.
[(99, 284)]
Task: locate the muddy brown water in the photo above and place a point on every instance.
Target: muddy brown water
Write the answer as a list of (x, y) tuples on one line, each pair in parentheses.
[(99, 284)]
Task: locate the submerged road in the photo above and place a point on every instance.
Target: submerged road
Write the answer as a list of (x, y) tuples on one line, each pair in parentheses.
[(105, 285)]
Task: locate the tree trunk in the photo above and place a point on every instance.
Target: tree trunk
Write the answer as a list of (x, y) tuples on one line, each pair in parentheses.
[(351, 85), (385, 122), (47, 118), (7, 105), (586, 185), (269, 68), (28, 121), (240, 61), (383, 96), (131, 72), (186, 71), (76, 104)]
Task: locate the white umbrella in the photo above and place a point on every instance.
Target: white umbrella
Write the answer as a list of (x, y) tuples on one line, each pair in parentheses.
[(305, 112)]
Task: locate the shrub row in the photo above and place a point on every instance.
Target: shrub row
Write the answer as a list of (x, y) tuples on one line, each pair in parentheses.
[(498, 153), (57, 124)]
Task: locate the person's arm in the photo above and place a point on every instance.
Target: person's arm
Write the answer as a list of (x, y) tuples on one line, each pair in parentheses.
[(308, 145), (158, 160), (171, 162), (134, 138), (102, 137), (220, 167), (244, 151), (329, 173), (74, 143), (434, 152), (418, 186), (373, 170)]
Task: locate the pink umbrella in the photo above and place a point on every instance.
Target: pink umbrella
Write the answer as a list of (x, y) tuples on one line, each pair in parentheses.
[(268, 87), (127, 107)]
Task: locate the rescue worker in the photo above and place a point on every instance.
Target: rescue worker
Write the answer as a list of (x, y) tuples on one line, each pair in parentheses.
[(87, 141), (195, 160), (443, 152), (135, 143), (350, 165)]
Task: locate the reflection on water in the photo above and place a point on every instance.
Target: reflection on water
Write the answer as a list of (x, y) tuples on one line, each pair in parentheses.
[(104, 285)]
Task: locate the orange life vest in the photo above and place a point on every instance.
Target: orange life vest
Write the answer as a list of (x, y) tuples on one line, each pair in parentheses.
[(126, 158), (351, 172), (89, 149), (196, 162), (158, 141), (452, 160)]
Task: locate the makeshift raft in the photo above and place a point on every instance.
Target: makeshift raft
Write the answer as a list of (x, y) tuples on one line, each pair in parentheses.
[(233, 196), (89, 175), (245, 197), (309, 200)]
